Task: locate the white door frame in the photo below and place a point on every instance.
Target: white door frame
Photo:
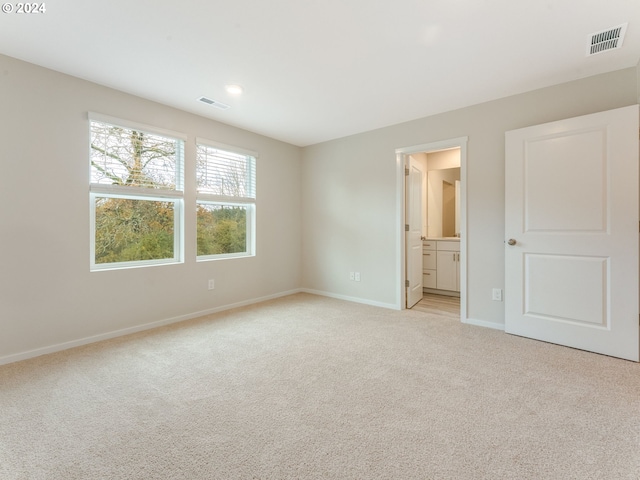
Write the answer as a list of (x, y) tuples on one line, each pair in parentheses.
[(460, 142)]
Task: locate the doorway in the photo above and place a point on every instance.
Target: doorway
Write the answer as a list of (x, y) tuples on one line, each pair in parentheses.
[(432, 227)]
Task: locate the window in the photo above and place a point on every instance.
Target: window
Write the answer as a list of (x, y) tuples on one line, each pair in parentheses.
[(226, 201), (136, 194)]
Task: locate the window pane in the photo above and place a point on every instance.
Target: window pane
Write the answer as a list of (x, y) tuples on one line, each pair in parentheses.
[(121, 156), (222, 229), (219, 172), (133, 230)]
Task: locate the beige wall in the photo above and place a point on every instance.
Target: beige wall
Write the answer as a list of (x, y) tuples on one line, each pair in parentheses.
[(350, 199), (323, 211), (48, 297)]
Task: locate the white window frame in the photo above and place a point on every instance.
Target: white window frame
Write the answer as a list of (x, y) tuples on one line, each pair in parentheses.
[(250, 203), (176, 196)]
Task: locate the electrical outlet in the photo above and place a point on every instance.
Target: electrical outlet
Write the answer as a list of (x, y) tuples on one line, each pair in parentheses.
[(357, 276), (352, 276), (497, 295), (212, 284)]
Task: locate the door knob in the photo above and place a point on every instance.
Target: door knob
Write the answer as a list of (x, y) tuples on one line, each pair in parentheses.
[(511, 241)]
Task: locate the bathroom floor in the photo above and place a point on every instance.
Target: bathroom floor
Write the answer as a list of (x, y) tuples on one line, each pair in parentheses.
[(439, 304)]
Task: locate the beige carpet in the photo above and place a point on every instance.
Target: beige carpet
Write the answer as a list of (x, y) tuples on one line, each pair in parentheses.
[(306, 387)]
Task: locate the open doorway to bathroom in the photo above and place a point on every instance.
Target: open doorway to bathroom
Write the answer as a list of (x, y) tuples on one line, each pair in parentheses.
[(433, 227), (441, 305)]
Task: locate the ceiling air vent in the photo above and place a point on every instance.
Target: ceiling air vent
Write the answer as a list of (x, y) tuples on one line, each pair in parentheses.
[(213, 103), (609, 39)]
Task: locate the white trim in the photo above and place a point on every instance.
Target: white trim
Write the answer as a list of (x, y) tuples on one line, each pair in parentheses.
[(179, 227), (119, 122), (228, 148), (140, 193), (464, 230), (484, 323), (250, 237), (92, 231), (249, 203), (401, 271), (350, 299), (223, 256), (101, 267), (434, 146), (224, 199), (459, 142), (174, 195), (16, 357), (178, 235)]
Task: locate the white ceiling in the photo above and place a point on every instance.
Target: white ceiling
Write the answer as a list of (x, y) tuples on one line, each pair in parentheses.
[(315, 70)]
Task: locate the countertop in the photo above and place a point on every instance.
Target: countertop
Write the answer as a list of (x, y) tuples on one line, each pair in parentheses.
[(448, 239)]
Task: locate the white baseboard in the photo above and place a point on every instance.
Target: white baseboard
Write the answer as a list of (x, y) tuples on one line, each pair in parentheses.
[(350, 299), (484, 323), (138, 328), (168, 321)]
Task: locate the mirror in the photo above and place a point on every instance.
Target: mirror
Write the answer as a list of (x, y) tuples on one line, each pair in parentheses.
[(440, 192), (443, 203)]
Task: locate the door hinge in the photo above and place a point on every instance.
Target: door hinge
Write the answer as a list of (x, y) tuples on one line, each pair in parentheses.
[(406, 171), (406, 283), (406, 227)]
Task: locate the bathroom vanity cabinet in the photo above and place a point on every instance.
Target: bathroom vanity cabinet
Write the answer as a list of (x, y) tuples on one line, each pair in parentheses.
[(441, 265)]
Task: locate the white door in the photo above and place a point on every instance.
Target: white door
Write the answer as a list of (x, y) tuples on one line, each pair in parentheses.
[(571, 224), (413, 236)]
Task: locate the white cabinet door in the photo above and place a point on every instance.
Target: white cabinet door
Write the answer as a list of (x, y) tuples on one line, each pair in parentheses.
[(571, 223), (448, 270), (448, 265)]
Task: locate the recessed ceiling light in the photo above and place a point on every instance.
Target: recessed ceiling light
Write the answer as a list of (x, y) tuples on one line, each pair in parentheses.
[(234, 89)]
